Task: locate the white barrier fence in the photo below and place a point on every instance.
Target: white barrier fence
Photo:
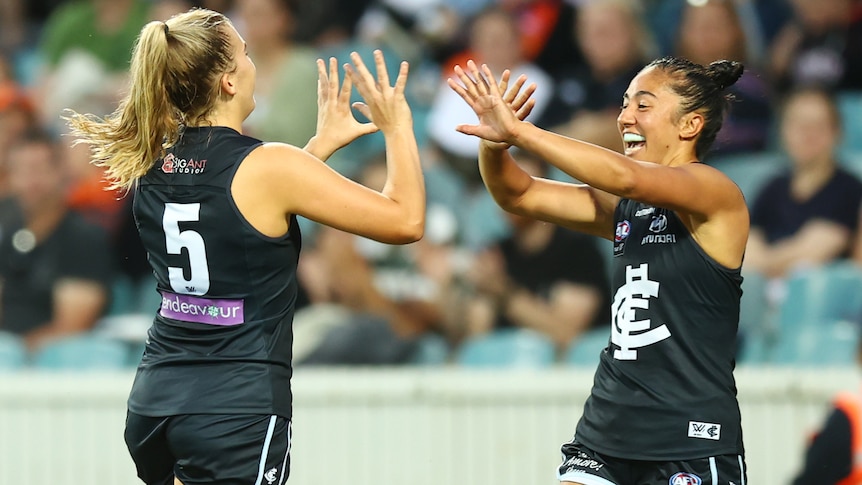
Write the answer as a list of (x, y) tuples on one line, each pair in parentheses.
[(394, 427)]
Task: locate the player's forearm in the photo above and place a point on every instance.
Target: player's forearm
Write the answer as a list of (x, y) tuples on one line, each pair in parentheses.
[(404, 182), (591, 164), (504, 179)]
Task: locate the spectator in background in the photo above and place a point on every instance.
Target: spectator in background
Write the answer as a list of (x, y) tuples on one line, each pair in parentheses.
[(89, 193), (85, 49), (165, 9), (21, 21), (17, 115), (616, 45), (371, 301), (546, 28), (495, 41), (810, 214), (55, 268), (542, 277), (286, 84), (831, 457), (762, 20), (361, 324), (713, 31), (822, 45), (325, 23)]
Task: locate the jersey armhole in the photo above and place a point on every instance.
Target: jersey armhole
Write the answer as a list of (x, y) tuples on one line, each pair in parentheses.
[(236, 210)]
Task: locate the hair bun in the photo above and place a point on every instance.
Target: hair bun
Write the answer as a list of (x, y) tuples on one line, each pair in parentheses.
[(725, 73)]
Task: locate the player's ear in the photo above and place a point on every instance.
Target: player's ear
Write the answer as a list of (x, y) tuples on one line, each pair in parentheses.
[(690, 125), (228, 84)]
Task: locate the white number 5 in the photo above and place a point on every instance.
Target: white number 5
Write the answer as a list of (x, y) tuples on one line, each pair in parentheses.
[(199, 274)]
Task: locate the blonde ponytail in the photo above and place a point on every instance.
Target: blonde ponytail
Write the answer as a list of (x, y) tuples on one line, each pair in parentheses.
[(175, 69)]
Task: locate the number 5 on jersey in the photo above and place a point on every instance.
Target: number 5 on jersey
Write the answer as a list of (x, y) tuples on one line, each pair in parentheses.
[(198, 282)]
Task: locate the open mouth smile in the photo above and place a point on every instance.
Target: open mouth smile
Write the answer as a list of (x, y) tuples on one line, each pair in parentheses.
[(633, 142)]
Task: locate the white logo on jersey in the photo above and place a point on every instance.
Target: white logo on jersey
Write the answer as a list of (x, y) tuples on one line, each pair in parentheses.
[(271, 475), (707, 431), (645, 211), (627, 332), (658, 223)]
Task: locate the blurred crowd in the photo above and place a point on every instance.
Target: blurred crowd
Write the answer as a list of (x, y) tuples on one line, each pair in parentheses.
[(71, 264)]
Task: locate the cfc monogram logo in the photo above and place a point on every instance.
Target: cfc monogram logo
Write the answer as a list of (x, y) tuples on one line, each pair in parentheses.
[(627, 332), (271, 475)]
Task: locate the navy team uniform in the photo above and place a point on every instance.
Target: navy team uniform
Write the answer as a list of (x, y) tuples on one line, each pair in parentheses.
[(663, 407), (211, 401)]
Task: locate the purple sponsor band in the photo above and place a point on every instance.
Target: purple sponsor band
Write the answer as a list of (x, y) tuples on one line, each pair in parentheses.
[(202, 310)]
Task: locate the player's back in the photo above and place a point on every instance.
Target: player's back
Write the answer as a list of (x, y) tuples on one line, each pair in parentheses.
[(227, 290)]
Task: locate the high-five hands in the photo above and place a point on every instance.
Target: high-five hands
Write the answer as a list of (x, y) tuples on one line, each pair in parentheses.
[(499, 107), (384, 105), (387, 106), (335, 120)]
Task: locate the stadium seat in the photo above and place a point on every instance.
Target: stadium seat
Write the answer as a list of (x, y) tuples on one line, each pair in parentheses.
[(818, 343), (754, 307), (132, 297), (756, 346), (587, 348), (431, 350), (507, 348), (819, 317), (13, 352), (122, 296), (850, 106), (83, 352), (750, 170), (852, 161), (827, 293)]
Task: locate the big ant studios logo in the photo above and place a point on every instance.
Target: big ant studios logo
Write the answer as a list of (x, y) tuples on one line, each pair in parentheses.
[(172, 164)]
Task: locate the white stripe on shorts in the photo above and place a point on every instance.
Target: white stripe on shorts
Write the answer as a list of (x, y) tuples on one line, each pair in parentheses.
[(584, 478), (265, 450), (713, 470), (741, 470), (287, 453)]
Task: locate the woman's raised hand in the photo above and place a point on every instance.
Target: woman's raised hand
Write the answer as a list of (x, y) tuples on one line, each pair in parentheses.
[(498, 106), (335, 121), (387, 106)]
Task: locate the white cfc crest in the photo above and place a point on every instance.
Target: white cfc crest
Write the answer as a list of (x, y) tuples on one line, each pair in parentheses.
[(626, 332)]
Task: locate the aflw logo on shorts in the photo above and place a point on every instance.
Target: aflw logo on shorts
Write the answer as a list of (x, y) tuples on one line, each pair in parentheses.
[(172, 164), (683, 478)]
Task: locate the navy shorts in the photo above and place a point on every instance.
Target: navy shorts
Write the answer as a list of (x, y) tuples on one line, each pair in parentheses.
[(214, 449), (585, 466)]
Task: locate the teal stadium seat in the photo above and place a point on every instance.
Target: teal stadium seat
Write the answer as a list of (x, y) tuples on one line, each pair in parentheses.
[(13, 352), (852, 161), (826, 293), (128, 297), (820, 343), (83, 352), (586, 349), (820, 316), (431, 350), (507, 348), (750, 170), (850, 106), (757, 326)]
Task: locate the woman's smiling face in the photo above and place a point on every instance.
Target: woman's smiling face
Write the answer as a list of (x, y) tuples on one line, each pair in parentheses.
[(648, 120)]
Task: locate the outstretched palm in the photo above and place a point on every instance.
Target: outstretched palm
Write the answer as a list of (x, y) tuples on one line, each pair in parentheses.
[(334, 116), (498, 108)]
